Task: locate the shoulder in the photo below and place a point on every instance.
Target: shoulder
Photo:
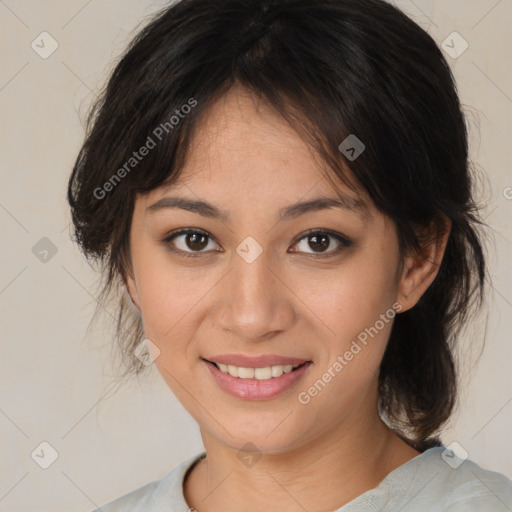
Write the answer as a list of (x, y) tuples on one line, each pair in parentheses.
[(138, 499), (156, 495), (453, 484), (437, 480)]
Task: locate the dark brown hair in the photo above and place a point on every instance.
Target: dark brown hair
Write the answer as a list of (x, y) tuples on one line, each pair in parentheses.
[(331, 68)]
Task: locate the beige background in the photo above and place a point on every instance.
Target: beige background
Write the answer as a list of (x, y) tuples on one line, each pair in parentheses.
[(55, 381)]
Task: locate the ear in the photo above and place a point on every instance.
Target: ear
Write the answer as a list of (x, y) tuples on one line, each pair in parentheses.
[(420, 270), (131, 287)]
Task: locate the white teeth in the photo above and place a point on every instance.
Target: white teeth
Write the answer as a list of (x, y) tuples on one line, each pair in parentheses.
[(266, 373), (245, 373)]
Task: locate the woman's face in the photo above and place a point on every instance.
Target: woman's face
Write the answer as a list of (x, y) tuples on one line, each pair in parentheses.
[(260, 285)]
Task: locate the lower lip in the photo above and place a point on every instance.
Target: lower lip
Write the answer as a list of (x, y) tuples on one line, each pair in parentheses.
[(254, 389)]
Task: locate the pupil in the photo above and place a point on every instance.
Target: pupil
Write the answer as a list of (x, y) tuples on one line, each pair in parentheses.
[(194, 243), (324, 244)]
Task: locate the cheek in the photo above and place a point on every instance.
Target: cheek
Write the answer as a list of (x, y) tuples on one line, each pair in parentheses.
[(348, 366), (352, 297), (354, 310), (175, 301), (166, 295)]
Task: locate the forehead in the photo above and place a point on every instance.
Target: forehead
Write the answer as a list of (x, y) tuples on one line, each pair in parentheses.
[(243, 151), (241, 125)]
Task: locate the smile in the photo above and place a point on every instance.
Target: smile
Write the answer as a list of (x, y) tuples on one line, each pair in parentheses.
[(256, 383), (265, 373)]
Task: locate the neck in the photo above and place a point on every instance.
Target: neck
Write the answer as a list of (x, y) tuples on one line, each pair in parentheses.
[(321, 475)]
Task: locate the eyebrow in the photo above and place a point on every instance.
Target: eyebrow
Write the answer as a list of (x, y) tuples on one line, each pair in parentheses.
[(209, 210)]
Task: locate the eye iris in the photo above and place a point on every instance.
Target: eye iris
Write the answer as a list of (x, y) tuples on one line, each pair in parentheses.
[(323, 244), (194, 243)]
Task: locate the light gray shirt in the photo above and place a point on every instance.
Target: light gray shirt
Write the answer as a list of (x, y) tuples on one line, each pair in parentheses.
[(435, 480)]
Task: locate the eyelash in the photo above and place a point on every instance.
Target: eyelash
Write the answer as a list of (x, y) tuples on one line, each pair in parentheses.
[(343, 240)]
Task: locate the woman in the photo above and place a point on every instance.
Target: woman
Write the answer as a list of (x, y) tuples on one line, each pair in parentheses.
[(281, 191)]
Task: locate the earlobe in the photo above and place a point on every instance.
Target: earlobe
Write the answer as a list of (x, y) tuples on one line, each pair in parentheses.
[(420, 270), (131, 288)]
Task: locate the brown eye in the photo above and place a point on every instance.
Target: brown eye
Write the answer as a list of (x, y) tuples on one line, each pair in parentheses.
[(196, 241), (189, 241), (318, 243), (323, 243)]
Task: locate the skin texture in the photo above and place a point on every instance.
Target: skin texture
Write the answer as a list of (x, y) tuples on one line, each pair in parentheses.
[(245, 159)]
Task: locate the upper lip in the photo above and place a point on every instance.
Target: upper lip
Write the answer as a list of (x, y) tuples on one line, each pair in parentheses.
[(261, 361)]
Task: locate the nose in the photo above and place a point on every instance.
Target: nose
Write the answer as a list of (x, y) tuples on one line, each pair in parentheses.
[(255, 302)]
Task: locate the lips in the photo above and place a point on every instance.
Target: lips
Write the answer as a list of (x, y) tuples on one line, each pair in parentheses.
[(254, 389), (260, 361)]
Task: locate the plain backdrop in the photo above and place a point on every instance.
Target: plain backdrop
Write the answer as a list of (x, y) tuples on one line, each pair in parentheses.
[(57, 386)]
